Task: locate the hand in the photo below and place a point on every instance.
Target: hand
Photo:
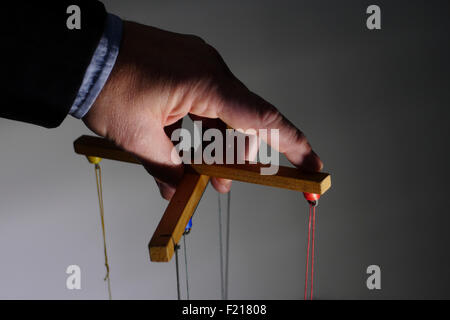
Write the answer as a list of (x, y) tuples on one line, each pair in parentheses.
[(160, 77)]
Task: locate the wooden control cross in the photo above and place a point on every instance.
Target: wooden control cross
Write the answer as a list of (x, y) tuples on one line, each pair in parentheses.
[(190, 190)]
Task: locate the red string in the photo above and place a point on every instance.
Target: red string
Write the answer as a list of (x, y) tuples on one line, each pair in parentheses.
[(312, 209), (307, 254), (312, 253)]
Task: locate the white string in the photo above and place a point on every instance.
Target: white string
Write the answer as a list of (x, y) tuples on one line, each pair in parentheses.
[(224, 258), (221, 250), (227, 255), (186, 267), (176, 247)]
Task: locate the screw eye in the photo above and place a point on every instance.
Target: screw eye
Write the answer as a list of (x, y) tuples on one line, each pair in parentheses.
[(313, 202)]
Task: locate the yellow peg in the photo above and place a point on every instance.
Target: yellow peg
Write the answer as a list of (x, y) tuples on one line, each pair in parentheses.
[(94, 160)]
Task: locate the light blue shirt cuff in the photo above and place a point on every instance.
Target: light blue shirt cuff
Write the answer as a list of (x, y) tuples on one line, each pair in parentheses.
[(99, 68)]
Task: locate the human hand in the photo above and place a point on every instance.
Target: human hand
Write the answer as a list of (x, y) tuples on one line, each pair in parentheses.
[(160, 77)]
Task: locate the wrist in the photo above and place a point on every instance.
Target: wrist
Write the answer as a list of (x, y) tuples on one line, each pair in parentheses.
[(114, 102)]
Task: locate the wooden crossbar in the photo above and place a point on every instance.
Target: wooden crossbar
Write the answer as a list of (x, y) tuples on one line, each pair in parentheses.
[(191, 188)]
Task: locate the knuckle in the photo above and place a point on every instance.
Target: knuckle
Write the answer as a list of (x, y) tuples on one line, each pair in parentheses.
[(213, 51), (197, 39), (271, 116), (299, 138), (218, 65)]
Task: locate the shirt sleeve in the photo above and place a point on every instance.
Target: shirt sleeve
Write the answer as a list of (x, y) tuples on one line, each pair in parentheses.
[(99, 68)]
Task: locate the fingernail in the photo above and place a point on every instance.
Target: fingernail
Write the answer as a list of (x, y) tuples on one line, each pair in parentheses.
[(225, 185)]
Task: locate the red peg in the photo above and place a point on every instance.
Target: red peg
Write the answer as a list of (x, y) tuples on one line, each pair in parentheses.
[(312, 198)]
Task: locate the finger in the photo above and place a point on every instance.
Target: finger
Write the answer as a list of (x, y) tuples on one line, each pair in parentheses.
[(167, 191), (221, 185), (171, 128), (242, 109)]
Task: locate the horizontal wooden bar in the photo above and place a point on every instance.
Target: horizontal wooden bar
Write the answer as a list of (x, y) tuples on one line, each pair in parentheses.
[(286, 177), (99, 147)]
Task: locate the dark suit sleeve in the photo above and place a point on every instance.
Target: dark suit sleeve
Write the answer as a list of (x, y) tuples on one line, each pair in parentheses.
[(44, 62)]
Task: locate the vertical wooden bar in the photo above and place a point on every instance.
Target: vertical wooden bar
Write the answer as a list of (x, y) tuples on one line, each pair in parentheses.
[(180, 209)]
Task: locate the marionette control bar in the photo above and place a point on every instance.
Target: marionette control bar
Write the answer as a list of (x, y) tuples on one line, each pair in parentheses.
[(190, 190)]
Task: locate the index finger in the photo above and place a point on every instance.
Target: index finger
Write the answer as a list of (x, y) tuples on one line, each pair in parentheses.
[(242, 109)]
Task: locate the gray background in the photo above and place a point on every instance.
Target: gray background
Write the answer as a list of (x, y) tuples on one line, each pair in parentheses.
[(374, 104)]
